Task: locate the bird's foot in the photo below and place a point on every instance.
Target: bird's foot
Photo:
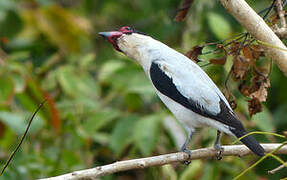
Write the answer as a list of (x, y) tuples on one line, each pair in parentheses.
[(219, 150), (187, 151)]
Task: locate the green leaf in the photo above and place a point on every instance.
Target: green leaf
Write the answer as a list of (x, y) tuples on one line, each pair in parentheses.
[(263, 120), (168, 172), (280, 116), (122, 134), (133, 101), (10, 23), (98, 120), (19, 82), (6, 90), (131, 79), (70, 158), (219, 25), (192, 170), (18, 122), (67, 80), (87, 60), (77, 84), (109, 68), (146, 133), (209, 172)]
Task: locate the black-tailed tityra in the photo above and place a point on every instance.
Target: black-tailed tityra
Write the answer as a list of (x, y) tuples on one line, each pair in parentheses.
[(182, 86)]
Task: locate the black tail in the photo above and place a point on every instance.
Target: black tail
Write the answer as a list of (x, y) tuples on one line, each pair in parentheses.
[(250, 142)]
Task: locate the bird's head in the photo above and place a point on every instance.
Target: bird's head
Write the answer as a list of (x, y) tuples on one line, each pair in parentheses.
[(128, 40)]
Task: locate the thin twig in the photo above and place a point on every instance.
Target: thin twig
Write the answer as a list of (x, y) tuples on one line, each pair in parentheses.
[(22, 138), (261, 159), (269, 9), (231, 150), (281, 13), (273, 171)]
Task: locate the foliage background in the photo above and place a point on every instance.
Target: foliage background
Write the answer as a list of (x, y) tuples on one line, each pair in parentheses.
[(101, 108)]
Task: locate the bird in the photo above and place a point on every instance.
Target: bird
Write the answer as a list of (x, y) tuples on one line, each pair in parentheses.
[(186, 90)]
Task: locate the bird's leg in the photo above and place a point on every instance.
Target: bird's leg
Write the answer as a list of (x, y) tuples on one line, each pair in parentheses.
[(217, 146), (183, 147)]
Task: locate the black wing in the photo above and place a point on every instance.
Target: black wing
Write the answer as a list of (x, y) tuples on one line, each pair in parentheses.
[(165, 85)]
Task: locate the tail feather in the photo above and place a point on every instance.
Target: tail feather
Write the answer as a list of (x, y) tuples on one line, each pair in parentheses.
[(250, 142)]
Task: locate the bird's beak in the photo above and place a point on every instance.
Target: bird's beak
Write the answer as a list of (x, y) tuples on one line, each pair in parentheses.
[(105, 34), (112, 38), (110, 34)]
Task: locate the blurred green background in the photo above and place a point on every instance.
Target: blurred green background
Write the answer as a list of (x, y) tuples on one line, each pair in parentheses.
[(100, 106)]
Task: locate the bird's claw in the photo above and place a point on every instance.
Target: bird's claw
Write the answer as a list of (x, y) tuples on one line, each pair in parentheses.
[(219, 150), (187, 151)]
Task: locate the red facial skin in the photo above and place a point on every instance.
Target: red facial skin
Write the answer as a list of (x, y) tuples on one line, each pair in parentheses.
[(114, 35)]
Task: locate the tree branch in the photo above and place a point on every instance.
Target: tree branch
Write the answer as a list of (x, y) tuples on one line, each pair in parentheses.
[(257, 27), (93, 173)]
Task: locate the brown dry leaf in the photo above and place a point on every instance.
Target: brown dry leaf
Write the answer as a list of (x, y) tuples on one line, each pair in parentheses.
[(257, 51), (182, 12), (274, 19), (234, 49), (248, 54), (254, 106), (221, 60), (258, 89), (244, 88), (240, 67), (194, 52)]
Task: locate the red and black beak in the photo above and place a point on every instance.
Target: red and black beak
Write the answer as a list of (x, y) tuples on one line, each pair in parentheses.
[(112, 37)]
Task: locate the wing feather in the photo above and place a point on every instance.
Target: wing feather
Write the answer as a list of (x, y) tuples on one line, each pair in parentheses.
[(194, 94)]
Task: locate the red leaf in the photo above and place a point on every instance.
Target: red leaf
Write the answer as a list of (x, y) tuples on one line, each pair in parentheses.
[(54, 113), (4, 40)]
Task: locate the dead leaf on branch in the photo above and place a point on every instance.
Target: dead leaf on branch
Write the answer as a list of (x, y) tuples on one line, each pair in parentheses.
[(258, 89), (257, 51), (221, 60), (233, 50), (244, 88), (248, 54), (194, 53), (254, 106), (240, 67)]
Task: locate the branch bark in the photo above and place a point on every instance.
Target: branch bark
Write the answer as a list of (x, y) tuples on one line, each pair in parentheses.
[(93, 173), (257, 27)]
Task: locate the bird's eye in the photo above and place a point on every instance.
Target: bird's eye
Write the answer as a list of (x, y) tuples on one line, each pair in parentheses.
[(128, 28)]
